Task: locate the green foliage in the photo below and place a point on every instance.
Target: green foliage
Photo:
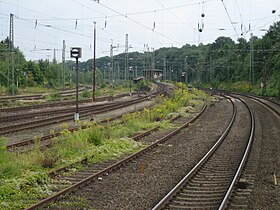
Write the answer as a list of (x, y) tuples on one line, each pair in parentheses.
[(12, 89), (55, 96), (143, 85), (220, 63), (8, 168), (21, 192), (96, 135), (86, 94), (19, 184)]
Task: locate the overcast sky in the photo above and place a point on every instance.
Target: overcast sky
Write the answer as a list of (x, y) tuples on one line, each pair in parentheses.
[(41, 26)]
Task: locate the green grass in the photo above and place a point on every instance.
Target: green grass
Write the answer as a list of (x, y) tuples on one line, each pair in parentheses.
[(24, 176)]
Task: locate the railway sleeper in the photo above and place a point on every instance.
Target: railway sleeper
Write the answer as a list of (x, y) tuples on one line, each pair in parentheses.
[(203, 193), (199, 199), (194, 205)]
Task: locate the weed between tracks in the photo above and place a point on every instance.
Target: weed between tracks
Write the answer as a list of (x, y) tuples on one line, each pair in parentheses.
[(24, 177)]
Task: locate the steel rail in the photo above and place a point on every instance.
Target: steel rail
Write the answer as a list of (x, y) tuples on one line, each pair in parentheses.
[(53, 104), (11, 147), (255, 97), (174, 191), (15, 117), (109, 169), (59, 119), (244, 158), (36, 96), (263, 103), (135, 138)]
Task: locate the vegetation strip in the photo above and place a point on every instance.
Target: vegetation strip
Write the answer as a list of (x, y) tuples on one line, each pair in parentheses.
[(11, 147), (86, 181), (24, 176), (85, 160)]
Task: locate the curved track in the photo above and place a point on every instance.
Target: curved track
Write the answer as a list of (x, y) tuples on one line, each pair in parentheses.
[(210, 183)]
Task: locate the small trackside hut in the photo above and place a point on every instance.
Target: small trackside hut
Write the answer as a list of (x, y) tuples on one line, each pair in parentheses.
[(153, 74)]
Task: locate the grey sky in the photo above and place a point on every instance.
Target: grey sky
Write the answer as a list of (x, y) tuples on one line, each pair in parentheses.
[(40, 26)]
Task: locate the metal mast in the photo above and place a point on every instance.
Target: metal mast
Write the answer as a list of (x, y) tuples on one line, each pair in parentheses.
[(126, 57), (251, 73), (94, 63), (63, 64), (112, 63), (11, 73)]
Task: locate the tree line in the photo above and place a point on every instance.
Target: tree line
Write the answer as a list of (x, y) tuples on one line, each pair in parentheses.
[(246, 65)]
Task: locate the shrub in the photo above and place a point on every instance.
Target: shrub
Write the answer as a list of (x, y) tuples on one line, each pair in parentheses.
[(96, 135), (8, 167), (55, 96), (86, 94), (12, 89)]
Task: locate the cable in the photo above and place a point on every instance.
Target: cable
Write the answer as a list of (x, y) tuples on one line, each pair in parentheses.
[(229, 18), (266, 17), (239, 11), (137, 22)]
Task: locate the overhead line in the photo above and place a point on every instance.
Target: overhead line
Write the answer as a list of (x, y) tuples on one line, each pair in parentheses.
[(229, 18), (137, 22)]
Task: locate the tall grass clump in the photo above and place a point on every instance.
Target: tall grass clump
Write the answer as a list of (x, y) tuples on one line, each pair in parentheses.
[(8, 168)]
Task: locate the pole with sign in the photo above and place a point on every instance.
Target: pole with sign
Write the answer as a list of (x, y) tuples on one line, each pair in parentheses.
[(76, 52)]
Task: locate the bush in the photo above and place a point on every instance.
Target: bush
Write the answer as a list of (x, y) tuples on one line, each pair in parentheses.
[(143, 85), (96, 135), (12, 90), (54, 96), (8, 168), (86, 94)]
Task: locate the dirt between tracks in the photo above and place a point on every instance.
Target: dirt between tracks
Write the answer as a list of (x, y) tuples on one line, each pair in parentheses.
[(143, 182)]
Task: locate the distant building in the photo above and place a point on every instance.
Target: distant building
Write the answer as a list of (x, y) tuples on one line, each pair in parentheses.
[(153, 74)]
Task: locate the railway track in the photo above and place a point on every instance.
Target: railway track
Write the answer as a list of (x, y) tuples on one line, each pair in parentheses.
[(56, 104), (210, 183), (90, 174), (271, 104), (67, 117), (19, 145), (31, 115), (38, 96)]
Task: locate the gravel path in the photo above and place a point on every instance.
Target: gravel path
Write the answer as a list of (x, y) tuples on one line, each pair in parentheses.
[(143, 182)]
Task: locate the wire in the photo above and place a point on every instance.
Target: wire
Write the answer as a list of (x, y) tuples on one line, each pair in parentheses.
[(266, 17), (231, 22), (240, 15), (50, 26), (151, 29)]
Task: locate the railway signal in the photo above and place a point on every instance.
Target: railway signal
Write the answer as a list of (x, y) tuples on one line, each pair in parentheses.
[(76, 52)]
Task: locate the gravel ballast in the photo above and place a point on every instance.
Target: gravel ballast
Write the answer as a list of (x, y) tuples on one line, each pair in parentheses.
[(265, 194), (143, 182)]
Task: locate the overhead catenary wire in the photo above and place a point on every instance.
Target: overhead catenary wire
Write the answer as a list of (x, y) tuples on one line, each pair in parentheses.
[(231, 22), (138, 23)]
